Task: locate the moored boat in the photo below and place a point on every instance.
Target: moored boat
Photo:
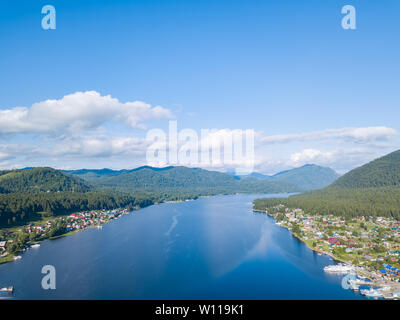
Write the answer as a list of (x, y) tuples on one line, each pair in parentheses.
[(8, 289)]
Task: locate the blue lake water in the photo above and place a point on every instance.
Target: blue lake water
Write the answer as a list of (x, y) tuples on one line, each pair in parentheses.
[(211, 248)]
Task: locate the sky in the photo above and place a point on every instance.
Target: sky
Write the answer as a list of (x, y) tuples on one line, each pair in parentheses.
[(87, 94)]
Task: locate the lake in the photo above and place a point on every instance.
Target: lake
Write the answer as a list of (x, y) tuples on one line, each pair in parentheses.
[(211, 248)]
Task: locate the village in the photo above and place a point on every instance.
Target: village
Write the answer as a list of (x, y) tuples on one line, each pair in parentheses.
[(370, 246), (16, 240)]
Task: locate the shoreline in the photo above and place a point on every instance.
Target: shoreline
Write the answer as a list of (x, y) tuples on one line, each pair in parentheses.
[(302, 241), (13, 256)]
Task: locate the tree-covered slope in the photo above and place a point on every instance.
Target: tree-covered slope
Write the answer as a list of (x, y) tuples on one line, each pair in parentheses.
[(19, 208), (381, 172), (186, 179), (381, 201), (154, 178), (39, 180)]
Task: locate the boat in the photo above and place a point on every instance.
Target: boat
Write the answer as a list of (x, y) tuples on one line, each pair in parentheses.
[(99, 227), (339, 268), (17, 258), (37, 245), (371, 293), (8, 289)]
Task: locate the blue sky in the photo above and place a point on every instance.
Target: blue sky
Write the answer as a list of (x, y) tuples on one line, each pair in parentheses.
[(283, 68)]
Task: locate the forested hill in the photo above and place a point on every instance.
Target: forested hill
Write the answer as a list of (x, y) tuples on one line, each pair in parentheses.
[(40, 180), (180, 179), (154, 178), (381, 172), (370, 190), (93, 174)]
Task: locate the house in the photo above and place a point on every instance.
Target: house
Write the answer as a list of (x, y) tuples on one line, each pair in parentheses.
[(333, 240), (2, 244)]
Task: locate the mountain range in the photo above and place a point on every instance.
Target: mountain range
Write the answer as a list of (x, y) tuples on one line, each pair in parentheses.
[(371, 189), (179, 179), (26, 194), (37, 180)]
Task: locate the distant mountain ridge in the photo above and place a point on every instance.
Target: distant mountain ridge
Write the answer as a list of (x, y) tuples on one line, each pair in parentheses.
[(307, 177), (151, 178), (97, 173), (179, 179)]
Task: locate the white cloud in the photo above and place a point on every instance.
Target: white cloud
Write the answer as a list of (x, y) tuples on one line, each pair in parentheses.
[(4, 156), (78, 142), (311, 156), (76, 112), (100, 147), (356, 135)]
